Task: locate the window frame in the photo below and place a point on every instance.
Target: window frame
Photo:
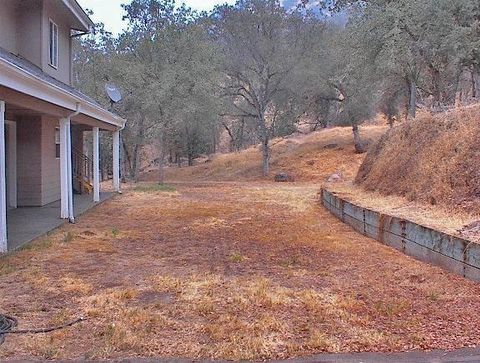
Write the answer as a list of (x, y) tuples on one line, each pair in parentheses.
[(57, 142), (52, 44)]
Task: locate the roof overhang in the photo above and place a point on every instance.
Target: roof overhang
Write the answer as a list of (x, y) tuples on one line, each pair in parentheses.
[(18, 79), (79, 14)]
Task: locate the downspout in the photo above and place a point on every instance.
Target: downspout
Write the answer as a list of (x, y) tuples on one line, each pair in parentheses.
[(121, 156), (71, 217)]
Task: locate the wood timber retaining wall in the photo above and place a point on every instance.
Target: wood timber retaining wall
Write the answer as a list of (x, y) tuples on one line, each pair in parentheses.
[(455, 254)]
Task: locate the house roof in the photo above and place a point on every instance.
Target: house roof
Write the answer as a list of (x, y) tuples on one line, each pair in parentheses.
[(80, 14), (24, 66)]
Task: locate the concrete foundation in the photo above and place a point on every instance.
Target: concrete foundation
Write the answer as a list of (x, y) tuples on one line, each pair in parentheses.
[(452, 253)]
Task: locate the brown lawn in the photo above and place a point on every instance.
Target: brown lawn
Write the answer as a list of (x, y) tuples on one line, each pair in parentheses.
[(227, 270)]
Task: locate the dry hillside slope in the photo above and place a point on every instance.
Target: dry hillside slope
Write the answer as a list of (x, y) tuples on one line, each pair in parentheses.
[(432, 159), (311, 157)]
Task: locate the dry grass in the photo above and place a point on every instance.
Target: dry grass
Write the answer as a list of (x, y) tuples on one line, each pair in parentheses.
[(433, 160), (311, 157), (436, 217), (229, 271), (236, 271)]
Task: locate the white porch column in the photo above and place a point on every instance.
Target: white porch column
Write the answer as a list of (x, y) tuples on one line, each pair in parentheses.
[(71, 216), (12, 163), (3, 188), (96, 164), (116, 160), (64, 157)]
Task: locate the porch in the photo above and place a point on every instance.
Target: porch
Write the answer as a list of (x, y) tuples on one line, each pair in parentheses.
[(49, 149), (24, 224)]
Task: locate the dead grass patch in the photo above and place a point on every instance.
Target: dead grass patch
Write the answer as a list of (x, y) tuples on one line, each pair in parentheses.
[(286, 279), (75, 285), (432, 159), (6, 267), (436, 217), (293, 155)]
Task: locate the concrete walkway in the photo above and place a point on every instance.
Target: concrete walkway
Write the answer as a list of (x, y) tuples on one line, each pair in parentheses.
[(457, 356), (461, 355), (27, 223)]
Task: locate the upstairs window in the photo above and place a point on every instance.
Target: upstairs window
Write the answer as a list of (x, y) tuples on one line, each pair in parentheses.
[(53, 45)]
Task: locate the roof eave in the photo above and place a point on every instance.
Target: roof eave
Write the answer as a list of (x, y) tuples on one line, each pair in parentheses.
[(80, 14), (16, 78)]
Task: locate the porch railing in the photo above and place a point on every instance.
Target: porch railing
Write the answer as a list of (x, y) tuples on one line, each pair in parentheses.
[(82, 170)]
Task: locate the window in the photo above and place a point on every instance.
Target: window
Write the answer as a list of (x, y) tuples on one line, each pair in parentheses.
[(57, 142), (53, 45)]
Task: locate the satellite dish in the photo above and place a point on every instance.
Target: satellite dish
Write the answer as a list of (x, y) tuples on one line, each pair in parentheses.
[(113, 93)]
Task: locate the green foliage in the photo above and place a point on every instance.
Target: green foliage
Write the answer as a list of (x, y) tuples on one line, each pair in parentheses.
[(257, 70), (153, 188), (115, 232), (236, 257)]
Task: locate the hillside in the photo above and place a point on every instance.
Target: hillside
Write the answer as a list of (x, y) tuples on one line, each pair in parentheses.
[(311, 157), (433, 159)]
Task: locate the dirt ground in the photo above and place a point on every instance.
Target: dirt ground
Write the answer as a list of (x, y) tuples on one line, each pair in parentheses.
[(308, 158), (226, 270)]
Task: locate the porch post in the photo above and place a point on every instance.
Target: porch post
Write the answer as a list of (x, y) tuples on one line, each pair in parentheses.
[(64, 156), (3, 188), (12, 162), (71, 215), (96, 164), (116, 160)]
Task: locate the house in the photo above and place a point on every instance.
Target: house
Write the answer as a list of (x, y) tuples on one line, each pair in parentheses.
[(43, 119)]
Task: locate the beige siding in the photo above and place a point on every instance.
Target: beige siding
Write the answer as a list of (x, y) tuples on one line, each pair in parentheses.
[(7, 25), (50, 187), (29, 30), (37, 166), (24, 30), (29, 165), (52, 11)]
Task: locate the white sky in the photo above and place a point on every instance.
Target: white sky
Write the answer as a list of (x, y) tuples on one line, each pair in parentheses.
[(110, 13)]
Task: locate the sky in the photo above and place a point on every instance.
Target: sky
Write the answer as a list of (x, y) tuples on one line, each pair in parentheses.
[(110, 12)]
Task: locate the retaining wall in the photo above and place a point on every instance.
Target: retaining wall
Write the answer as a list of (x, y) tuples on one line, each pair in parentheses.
[(455, 254)]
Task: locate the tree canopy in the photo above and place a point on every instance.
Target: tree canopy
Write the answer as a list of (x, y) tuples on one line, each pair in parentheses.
[(257, 70)]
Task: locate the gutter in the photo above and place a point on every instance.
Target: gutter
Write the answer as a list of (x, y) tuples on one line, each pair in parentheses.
[(71, 216)]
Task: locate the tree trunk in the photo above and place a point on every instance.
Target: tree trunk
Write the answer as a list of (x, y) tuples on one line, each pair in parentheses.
[(437, 88), (265, 145), (412, 103), (475, 82), (127, 160), (136, 163), (240, 136), (266, 157), (161, 159), (360, 146), (390, 120), (138, 148), (463, 90)]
